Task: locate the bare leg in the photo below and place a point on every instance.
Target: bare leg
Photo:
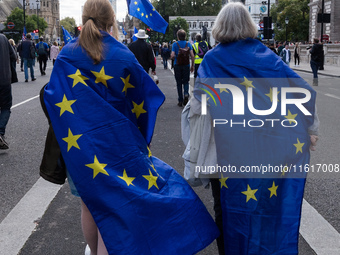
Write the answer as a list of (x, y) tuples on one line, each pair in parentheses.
[(89, 228), (101, 246)]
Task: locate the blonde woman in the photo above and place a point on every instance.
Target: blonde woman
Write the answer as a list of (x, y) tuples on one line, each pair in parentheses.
[(297, 52), (54, 52), (103, 106)]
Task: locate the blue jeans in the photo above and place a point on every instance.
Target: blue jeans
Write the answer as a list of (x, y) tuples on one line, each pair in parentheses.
[(5, 106), (28, 62), (182, 76), (165, 62), (315, 67)]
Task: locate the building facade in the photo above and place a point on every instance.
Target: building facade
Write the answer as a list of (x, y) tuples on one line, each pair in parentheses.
[(196, 24), (50, 11), (6, 7), (331, 29), (258, 9)]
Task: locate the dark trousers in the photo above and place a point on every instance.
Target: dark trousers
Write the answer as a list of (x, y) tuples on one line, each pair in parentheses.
[(216, 192), (315, 67), (196, 68), (182, 76), (5, 106), (42, 60), (165, 62), (297, 57)]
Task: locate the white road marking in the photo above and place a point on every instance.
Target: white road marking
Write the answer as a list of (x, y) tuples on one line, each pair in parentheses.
[(23, 102), (19, 224), (329, 95), (317, 232)]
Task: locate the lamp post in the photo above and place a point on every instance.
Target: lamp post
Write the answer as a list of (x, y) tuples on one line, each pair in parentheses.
[(286, 21)]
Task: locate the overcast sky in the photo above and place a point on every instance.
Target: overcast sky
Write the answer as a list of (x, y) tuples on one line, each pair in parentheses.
[(72, 8)]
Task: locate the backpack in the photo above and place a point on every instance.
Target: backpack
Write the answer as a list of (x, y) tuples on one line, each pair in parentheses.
[(183, 55), (41, 49), (202, 49), (32, 50)]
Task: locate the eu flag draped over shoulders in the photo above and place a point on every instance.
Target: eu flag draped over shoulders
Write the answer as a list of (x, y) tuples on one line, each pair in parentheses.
[(144, 11), (103, 116), (265, 146)]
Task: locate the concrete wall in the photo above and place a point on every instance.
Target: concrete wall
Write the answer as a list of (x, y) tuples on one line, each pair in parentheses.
[(332, 54)]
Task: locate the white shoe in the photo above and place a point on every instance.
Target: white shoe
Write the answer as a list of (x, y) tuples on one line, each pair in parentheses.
[(87, 250)]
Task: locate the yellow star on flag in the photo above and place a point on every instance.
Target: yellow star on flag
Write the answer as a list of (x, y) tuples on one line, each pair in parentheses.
[(153, 9), (127, 179), (223, 89), (127, 84), (247, 83), (290, 117), (138, 9), (150, 154), (77, 77), (150, 14), (135, 3), (250, 193), (285, 170), (72, 140), (97, 167), (142, 14), (222, 181), (146, 16), (65, 105), (138, 109), (270, 95), (298, 146), (101, 76), (152, 180), (273, 189)]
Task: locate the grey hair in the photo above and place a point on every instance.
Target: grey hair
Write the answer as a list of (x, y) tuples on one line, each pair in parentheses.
[(234, 23)]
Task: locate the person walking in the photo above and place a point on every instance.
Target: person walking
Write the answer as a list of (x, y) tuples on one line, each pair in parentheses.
[(143, 52), (165, 53), (43, 53), (297, 51), (316, 60), (257, 213), (182, 53), (20, 55), (286, 54), (54, 52), (7, 55), (14, 63), (28, 53), (200, 48), (131, 202)]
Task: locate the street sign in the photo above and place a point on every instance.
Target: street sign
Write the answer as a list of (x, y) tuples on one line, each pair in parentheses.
[(261, 24), (325, 37), (10, 25), (263, 8)]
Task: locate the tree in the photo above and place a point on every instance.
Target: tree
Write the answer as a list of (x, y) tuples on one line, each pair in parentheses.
[(297, 11), (17, 17), (174, 26), (69, 24)]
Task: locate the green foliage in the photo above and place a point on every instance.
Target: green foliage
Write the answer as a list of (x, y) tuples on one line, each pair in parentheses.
[(175, 25), (297, 11), (17, 17), (69, 24)]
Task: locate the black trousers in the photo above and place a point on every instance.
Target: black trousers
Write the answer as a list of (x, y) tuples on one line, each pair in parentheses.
[(42, 60), (216, 192)]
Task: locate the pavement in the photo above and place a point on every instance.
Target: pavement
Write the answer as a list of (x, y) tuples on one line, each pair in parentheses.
[(331, 71)]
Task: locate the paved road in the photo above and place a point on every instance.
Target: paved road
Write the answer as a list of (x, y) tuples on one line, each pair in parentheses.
[(57, 230)]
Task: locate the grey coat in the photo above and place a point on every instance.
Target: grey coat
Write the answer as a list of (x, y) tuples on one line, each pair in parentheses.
[(7, 55)]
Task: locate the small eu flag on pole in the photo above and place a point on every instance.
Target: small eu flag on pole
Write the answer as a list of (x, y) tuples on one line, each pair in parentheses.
[(66, 35), (123, 31), (134, 38), (144, 11), (24, 33)]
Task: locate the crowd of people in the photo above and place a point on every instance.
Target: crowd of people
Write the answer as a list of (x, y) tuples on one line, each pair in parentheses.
[(118, 84)]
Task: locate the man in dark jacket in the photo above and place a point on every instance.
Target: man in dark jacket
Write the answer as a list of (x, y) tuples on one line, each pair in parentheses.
[(7, 55), (28, 53), (143, 52), (316, 60), (43, 51)]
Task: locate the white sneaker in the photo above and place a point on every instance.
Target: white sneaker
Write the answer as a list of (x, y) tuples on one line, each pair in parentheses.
[(87, 250)]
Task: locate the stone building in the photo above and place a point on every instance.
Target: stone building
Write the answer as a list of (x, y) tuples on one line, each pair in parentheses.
[(6, 7), (331, 29), (196, 24), (50, 11)]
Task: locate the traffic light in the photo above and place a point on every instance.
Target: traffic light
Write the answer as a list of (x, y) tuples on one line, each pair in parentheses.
[(77, 31), (148, 31), (267, 28)]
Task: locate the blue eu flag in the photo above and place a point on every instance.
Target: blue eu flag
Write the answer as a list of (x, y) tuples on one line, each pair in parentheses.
[(263, 156), (144, 11), (103, 117), (134, 38), (66, 35), (123, 31)]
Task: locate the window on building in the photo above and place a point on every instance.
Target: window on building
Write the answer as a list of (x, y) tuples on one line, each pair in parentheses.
[(47, 4), (189, 24), (201, 24), (44, 3), (206, 24), (56, 7), (212, 23), (194, 24)]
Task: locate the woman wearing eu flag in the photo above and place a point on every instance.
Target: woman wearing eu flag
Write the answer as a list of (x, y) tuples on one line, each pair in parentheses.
[(262, 125), (102, 108)]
